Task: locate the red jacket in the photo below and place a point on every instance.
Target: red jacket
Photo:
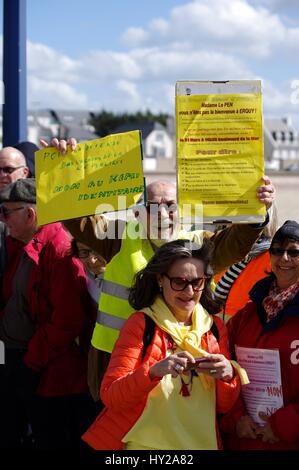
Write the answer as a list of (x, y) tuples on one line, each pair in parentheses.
[(127, 383), (58, 302), (248, 328)]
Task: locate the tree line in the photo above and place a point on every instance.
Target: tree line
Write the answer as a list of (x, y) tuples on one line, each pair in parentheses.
[(106, 122)]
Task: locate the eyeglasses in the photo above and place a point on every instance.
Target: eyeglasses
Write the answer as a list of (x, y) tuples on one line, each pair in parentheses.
[(155, 207), (8, 170), (291, 252), (84, 253), (180, 283), (4, 212)]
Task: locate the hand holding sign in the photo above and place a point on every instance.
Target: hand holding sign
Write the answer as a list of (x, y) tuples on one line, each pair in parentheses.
[(102, 175)]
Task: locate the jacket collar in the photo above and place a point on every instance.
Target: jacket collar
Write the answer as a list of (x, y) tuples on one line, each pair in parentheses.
[(259, 292), (40, 239)]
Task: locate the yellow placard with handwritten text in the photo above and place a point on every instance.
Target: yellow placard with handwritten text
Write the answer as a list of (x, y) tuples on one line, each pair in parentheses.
[(220, 154), (102, 175)]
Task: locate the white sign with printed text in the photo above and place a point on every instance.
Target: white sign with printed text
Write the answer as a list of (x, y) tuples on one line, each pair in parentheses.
[(264, 392)]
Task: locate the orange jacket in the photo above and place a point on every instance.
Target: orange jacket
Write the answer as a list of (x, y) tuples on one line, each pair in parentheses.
[(127, 383), (254, 271)]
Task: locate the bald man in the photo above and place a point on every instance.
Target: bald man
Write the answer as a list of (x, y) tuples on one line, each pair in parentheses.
[(12, 166)]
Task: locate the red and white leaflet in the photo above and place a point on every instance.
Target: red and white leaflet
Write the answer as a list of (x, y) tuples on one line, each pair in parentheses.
[(264, 392)]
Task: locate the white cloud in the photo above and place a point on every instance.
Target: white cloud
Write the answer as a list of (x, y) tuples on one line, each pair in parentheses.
[(134, 36), (235, 26), (199, 39), (276, 3), (54, 94), (171, 64), (47, 63), (160, 25), (109, 65), (129, 88)]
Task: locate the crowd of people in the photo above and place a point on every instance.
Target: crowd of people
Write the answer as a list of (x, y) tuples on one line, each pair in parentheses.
[(114, 342)]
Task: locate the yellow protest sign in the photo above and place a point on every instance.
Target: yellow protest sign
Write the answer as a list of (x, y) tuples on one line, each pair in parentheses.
[(101, 175), (220, 155)]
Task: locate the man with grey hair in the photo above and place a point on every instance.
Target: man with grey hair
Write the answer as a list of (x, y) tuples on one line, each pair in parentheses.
[(44, 316), (12, 167)]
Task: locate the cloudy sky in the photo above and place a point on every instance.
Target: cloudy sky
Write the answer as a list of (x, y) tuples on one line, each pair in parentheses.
[(127, 54)]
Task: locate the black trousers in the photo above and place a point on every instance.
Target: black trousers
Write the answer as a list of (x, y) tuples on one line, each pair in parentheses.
[(28, 420), (59, 422)]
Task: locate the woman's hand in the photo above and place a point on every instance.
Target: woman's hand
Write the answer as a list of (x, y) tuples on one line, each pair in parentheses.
[(174, 364), (266, 432), (246, 428), (217, 366), (60, 145)]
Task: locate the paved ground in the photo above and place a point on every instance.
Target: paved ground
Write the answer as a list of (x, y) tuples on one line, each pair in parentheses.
[(287, 187)]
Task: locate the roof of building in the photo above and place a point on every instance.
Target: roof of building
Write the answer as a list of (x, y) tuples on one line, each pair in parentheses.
[(279, 124), (145, 127)]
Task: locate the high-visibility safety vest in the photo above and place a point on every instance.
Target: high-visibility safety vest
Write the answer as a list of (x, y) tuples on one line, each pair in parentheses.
[(114, 308)]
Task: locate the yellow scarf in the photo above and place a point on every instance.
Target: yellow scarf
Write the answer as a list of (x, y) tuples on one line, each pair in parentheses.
[(191, 341)]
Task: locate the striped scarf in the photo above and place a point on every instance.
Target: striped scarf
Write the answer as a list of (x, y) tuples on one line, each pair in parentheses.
[(226, 282)]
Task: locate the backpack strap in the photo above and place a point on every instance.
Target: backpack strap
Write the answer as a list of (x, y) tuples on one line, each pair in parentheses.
[(148, 333), (215, 331)]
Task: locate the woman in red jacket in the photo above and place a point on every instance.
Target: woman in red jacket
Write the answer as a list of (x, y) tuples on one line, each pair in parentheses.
[(166, 397), (269, 324)]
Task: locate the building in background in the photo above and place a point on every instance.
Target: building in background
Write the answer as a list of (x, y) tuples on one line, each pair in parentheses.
[(158, 146), (281, 140), (281, 144)]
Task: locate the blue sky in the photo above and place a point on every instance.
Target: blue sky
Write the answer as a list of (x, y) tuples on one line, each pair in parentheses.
[(127, 54)]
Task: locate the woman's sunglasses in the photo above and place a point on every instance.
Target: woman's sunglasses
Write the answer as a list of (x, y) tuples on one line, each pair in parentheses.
[(291, 252)]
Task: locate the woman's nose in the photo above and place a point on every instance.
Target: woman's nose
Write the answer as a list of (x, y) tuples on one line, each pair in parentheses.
[(189, 288), (285, 256)]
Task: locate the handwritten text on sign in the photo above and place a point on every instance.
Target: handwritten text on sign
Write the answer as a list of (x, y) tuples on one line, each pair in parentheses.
[(98, 174)]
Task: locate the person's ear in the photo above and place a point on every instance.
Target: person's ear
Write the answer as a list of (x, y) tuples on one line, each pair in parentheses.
[(31, 214), (26, 171)]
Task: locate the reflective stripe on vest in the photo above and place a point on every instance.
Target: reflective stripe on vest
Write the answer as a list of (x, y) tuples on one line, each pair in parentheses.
[(115, 289), (134, 254), (114, 307), (111, 321)]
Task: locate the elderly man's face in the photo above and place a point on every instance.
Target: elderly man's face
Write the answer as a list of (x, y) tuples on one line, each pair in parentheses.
[(14, 215), (161, 212), (12, 167)]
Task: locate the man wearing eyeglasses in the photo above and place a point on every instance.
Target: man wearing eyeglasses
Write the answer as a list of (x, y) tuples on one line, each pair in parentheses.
[(12, 167), (46, 310)]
